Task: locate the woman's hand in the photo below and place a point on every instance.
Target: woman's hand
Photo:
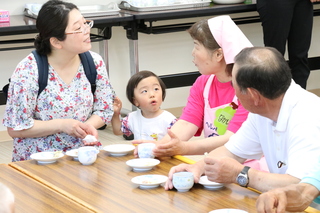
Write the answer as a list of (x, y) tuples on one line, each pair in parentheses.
[(137, 142), (91, 131), (78, 129), (173, 147)]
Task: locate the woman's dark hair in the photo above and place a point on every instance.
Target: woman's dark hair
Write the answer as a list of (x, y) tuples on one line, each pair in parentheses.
[(264, 69), (52, 21), (135, 80), (201, 32)]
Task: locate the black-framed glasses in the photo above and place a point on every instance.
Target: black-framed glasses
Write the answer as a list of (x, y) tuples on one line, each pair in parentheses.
[(87, 26)]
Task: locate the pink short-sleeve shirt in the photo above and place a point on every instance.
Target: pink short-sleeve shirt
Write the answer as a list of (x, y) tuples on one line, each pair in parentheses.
[(220, 94)]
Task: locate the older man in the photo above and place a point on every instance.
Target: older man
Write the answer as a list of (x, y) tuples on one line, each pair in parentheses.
[(283, 125)]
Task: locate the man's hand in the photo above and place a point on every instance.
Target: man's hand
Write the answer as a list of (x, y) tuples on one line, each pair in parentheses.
[(294, 198), (196, 169), (222, 169)]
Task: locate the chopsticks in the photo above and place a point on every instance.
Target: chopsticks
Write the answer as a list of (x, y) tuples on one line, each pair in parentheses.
[(184, 159)]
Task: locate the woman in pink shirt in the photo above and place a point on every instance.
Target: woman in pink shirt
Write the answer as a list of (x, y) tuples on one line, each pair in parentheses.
[(212, 105)]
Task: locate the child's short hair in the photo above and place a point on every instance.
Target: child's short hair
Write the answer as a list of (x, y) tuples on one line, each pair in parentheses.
[(135, 80)]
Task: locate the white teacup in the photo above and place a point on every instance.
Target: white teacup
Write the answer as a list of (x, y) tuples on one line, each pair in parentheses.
[(87, 155), (145, 150), (183, 181)]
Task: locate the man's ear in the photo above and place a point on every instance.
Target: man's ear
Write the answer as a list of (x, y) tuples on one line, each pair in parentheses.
[(255, 95), (55, 43)]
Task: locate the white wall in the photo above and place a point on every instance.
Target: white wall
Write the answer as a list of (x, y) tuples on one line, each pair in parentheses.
[(162, 54)]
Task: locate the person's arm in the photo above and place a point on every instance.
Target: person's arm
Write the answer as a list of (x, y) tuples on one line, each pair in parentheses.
[(199, 168), (295, 197), (116, 122), (43, 128), (95, 121), (171, 145), (223, 167), (104, 95), (200, 146)]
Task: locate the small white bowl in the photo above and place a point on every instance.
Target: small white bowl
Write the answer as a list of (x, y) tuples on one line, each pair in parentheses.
[(183, 181), (46, 157), (119, 149), (210, 185), (142, 164), (149, 181), (73, 153)]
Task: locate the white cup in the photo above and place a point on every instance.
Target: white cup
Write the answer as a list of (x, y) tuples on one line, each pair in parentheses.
[(145, 150), (87, 155), (183, 181)]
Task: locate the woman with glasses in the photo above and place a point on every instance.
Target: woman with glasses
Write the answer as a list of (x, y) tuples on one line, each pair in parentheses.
[(66, 111)]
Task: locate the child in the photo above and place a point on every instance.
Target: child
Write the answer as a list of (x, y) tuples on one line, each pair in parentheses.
[(146, 91)]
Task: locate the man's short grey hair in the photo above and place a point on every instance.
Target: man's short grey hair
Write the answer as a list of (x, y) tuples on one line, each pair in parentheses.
[(263, 69)]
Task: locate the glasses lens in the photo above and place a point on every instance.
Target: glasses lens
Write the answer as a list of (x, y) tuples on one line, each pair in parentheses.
[(90, 23)]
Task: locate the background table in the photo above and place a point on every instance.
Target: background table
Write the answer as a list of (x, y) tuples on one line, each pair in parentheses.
[(31, 196), (106, 186)]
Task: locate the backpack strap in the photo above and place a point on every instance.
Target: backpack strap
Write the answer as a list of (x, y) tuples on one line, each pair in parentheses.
[(42, 62), (89, 69), (86, 60)]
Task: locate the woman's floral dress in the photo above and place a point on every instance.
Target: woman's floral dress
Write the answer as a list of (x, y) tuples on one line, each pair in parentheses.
[(57, 101)]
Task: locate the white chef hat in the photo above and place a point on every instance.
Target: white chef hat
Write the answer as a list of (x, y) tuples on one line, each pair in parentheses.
[(229, 37)]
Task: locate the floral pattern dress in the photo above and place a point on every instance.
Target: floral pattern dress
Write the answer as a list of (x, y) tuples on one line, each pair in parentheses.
[(57, 101)]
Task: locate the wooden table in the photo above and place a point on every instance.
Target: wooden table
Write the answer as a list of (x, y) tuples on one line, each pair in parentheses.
[(32, 196), (106, 186)]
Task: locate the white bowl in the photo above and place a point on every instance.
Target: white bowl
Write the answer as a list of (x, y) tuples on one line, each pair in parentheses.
[(183, 181), (46, 157), (119, 149), (149, 181), (142, 164), (228, 1), (210, 184), (73, 153)]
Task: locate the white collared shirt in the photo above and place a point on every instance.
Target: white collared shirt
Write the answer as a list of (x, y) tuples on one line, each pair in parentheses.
[(293, 140)]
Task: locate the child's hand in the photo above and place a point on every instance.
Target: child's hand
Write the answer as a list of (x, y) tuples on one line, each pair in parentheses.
[(117, 105)]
